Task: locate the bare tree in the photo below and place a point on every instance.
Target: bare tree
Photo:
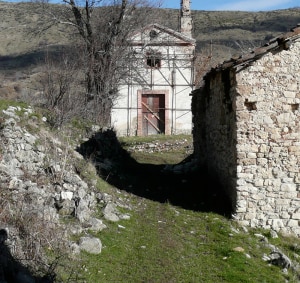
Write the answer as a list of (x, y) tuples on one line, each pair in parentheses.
[(61, 93), (103, 27)]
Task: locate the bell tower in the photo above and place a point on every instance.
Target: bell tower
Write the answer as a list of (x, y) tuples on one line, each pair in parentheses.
[(186, 18)]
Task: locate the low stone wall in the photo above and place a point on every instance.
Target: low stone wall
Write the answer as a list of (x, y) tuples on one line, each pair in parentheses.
[(40, 189)]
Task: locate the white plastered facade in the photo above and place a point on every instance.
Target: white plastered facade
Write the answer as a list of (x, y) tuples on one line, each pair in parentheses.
[(160, 66)]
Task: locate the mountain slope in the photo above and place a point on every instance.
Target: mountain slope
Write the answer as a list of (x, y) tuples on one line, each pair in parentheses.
[(219, 35)]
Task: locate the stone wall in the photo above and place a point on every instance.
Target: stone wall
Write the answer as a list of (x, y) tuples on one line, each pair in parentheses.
[(268, 142), (44, 200), (215, 131), (248, 134)]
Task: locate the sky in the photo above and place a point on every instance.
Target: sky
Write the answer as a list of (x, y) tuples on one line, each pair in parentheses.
[(235, 5), (222, 5)]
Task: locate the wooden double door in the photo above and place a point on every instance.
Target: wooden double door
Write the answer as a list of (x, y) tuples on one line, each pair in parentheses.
[(153, 113)]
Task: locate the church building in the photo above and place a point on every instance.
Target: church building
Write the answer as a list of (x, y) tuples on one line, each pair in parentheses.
[(155, 99)]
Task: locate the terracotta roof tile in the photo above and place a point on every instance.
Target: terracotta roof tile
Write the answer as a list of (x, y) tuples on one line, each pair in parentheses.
[(283, 41)]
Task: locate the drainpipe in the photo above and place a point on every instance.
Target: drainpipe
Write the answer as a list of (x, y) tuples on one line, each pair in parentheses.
[(173, 112)]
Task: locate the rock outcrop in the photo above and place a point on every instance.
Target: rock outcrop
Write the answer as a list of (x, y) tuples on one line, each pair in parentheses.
[(40, 187)]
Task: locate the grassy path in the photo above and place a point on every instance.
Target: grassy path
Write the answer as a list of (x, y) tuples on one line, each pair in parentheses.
[(166, 244)]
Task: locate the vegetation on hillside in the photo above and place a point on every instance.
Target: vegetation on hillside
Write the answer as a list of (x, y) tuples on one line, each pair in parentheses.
[(219, 35), (179, 228)]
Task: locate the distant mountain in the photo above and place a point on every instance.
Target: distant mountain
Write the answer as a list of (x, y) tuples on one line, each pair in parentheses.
[(231, 30), (219, 34), (227, 32)]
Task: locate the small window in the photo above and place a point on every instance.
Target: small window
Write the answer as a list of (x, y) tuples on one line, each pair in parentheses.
[(250, 105), (153, 34), (295, 107), (153, 60)]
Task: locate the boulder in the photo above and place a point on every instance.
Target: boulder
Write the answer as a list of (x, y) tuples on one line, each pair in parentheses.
[(110, 212), (90, 244)]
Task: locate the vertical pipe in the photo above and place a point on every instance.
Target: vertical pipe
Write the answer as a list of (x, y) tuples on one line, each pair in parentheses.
[(128, 102), (173, 83), (128, 105)]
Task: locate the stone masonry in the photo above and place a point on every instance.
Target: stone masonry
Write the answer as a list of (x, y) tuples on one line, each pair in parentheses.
[(247, 133)]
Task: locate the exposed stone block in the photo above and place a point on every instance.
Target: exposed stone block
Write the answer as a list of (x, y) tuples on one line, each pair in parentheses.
[(293, 223), (258, 182), (250, 216), (296, 216), (277, 223), (290, 94), (249, 161), (288, 187)]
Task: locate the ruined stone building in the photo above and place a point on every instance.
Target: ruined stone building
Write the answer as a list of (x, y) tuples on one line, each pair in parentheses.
[(247, 132), (155, 99)]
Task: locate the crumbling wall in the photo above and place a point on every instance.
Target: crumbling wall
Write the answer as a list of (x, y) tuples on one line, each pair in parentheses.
[(268, 147), (214, 130), (247, 131)]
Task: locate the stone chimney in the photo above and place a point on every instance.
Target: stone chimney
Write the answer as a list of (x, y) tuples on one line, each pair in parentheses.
[(186, 18)]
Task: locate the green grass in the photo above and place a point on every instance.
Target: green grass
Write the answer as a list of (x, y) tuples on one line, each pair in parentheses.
[(5, 103), (164, 156), (163, 243), (133, 140), (160, 158)]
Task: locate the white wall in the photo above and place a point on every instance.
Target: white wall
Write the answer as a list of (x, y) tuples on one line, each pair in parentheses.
[(175, 77)]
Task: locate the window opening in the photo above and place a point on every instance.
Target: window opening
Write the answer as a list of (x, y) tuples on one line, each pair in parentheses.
[(153, 34), (295, 107), (153, 59), (250, 105)]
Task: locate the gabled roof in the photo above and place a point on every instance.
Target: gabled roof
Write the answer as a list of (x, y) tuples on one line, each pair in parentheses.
[(177, 36), (282, 42)]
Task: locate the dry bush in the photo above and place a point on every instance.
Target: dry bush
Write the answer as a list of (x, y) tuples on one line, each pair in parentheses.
[(34, 241), (61, 90)]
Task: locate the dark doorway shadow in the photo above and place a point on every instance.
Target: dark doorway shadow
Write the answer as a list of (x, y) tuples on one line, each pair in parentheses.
[(189, 188), (12, 271)]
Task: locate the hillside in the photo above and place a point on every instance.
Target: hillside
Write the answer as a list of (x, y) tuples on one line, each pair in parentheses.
[(239, 30), (132, 210), (227, 30), (219, 35)]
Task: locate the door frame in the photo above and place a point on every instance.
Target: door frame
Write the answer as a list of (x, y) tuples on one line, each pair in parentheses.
[(140, 93)]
